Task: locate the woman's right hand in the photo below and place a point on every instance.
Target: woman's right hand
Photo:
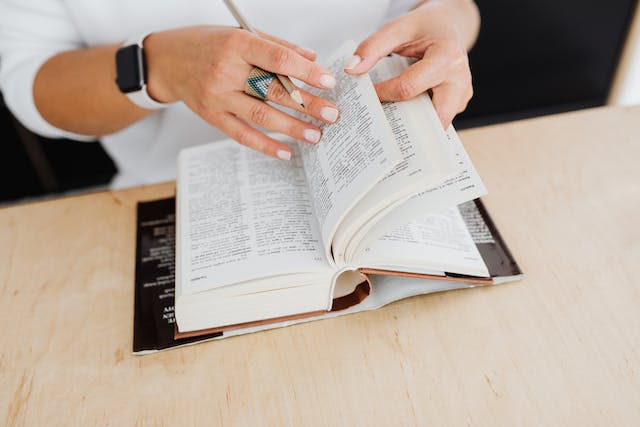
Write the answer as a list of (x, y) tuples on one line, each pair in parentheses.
[(206, 68)]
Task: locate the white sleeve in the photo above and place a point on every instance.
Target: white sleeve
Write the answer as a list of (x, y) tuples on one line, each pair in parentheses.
[(31, 32), (398, 7)]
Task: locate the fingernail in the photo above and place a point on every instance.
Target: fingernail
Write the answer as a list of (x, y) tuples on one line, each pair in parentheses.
[(328, 81), (329, 114), (283, 154), (311, 135), (352, 62)]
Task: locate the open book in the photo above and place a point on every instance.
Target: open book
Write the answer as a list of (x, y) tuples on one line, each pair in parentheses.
[(154, 307), (260, 240)]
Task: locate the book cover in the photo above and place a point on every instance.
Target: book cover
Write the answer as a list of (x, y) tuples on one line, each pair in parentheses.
[(153, 324)]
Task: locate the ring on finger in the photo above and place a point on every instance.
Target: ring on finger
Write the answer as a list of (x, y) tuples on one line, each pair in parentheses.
[(258, 82)]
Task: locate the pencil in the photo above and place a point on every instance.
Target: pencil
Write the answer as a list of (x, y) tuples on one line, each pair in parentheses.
[(291, 89)]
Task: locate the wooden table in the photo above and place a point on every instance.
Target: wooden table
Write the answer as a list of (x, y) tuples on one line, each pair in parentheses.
[(560, 348)]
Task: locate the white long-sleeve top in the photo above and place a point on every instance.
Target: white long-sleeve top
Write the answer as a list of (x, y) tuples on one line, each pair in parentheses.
[(32, 31)]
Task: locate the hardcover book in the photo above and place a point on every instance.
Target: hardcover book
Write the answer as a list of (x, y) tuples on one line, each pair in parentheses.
[(154, 318), (262, 242)]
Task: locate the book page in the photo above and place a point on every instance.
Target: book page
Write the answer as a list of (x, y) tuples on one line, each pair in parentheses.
[(438, 241), (426, 157), (242, 215), (354, 153), (418, 132), (464, 186)]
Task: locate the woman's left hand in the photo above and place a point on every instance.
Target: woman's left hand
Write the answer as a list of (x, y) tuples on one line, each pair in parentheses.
[(438, 32)]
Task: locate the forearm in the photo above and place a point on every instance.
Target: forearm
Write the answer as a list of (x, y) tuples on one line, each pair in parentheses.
[(459, 16), (76, 91), (204, 67)]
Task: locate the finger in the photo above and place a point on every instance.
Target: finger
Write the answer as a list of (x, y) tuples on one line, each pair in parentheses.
[(419, 77), (315, 106), (252, 138), (257, 112), (378, 45), (307, 53), (450, 99), (283, 60)]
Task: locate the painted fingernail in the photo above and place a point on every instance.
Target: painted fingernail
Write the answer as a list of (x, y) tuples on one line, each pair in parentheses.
[(352, 62), (328, 81), (329, 114), (311, 135), (283, 154)]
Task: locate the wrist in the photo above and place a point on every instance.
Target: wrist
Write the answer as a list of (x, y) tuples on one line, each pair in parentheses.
[(454, 20), (158, 80)]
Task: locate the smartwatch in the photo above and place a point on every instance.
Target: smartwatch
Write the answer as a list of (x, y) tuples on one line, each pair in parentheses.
[(131, 74)]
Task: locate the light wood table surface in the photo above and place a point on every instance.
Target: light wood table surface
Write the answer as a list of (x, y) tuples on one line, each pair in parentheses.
[(561, 348)]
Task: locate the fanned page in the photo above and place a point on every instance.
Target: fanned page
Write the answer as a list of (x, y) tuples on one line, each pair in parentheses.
[(426, 158), (354, 153), (439, 241), (242, 215), (464, 186)]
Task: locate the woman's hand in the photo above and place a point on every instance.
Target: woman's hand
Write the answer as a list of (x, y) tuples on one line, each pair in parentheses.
[(206, 68), (438, 32)]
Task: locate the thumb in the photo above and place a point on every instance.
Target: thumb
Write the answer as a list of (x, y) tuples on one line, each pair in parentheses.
[(376, 46)]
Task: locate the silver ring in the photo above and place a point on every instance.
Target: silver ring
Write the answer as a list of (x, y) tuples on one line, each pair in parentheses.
[(258, 82)]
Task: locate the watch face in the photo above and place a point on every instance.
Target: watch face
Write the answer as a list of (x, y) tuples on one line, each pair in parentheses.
[(130, 69)]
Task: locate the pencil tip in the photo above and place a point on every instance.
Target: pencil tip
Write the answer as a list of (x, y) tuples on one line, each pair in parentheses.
[(295, 95)]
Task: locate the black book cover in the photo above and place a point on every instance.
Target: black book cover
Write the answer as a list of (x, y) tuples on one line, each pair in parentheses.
[(485, 234), (153, 324)]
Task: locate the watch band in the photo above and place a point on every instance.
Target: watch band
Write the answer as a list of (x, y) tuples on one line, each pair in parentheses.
[(141, 97)]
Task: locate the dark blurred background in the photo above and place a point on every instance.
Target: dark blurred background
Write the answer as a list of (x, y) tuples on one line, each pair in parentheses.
[(531, 58), (544, 56)]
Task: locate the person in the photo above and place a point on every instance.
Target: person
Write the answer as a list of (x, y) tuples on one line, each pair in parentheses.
[(58, 72)]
